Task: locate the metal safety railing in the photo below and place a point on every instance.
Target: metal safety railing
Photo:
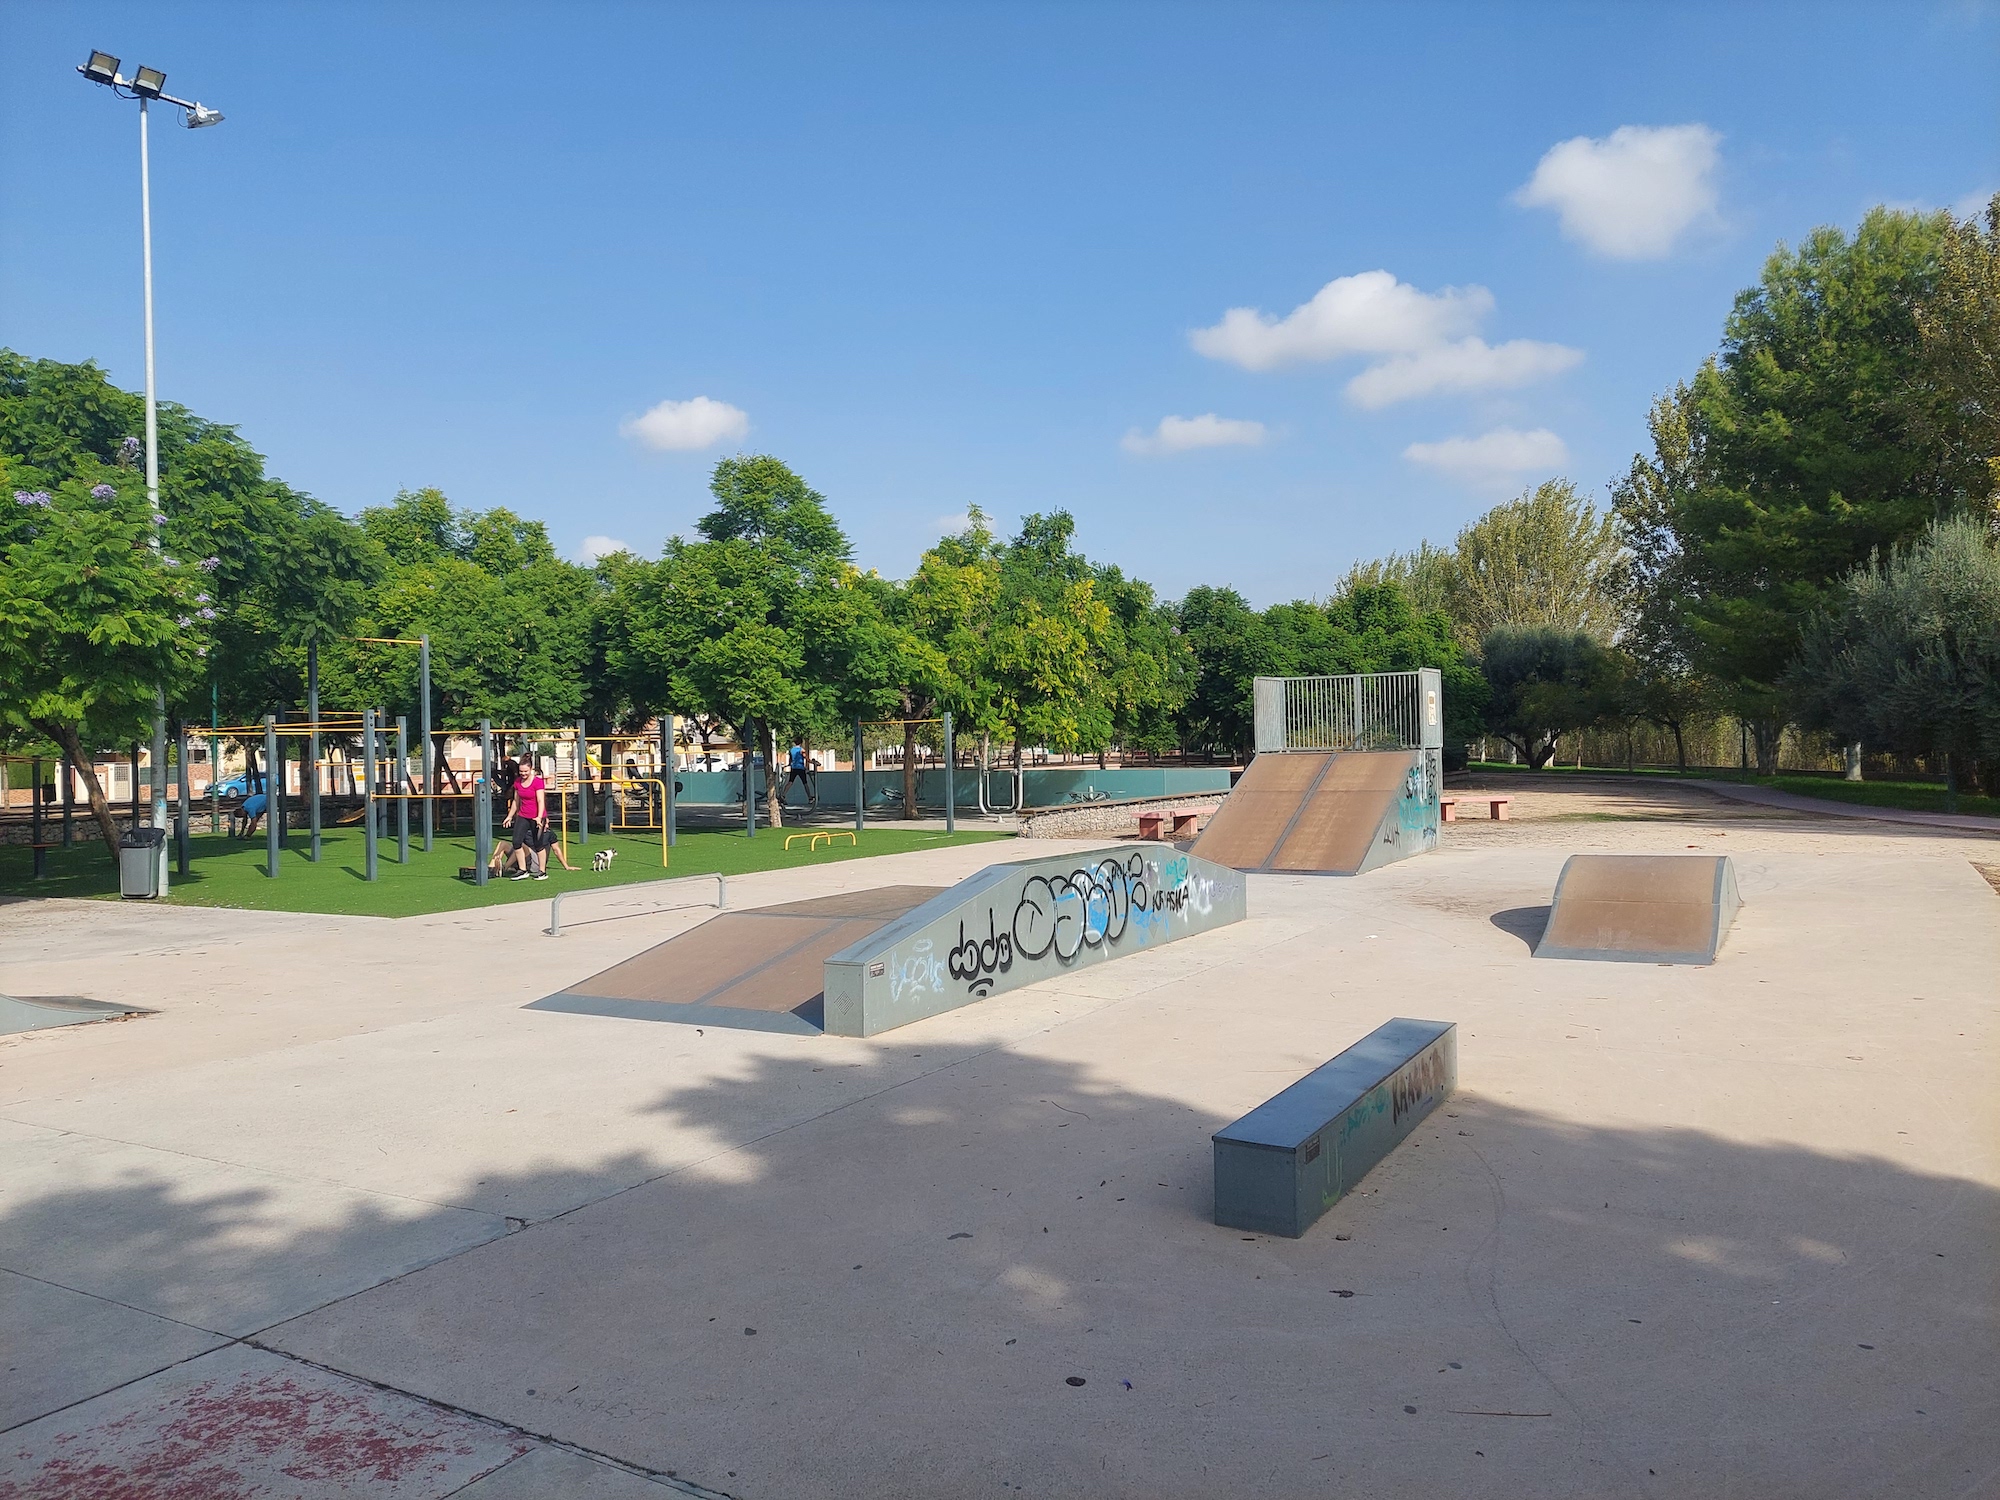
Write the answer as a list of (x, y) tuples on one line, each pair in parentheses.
[(1362, 711), (555, 904)]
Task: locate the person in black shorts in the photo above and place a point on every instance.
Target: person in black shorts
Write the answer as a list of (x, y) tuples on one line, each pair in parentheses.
[(529, 816)]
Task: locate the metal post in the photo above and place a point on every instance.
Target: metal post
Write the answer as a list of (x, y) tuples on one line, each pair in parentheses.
[(214, 761), (429, 754), (368, 791), (750, 790), (270, 797), (669, 732), (860, 784), (400, 781), (181, 823), (482, 807), (135, 785), (582, 784), (312, 741), (35, 818), (950, 791), (278, 784), (69, 801)]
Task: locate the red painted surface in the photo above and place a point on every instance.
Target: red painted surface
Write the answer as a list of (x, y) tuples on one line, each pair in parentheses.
[(289, 1432)]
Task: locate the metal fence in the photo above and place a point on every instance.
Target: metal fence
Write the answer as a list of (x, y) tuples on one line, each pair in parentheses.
[(1365, 711)]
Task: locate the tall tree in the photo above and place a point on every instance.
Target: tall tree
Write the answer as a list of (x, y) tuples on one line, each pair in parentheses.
[(747, 622), (1812, 453), (1548, 558), (1666, 684), (93, 618), (1957, 403)]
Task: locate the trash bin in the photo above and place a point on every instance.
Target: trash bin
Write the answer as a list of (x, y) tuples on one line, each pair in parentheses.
[(139, 862)]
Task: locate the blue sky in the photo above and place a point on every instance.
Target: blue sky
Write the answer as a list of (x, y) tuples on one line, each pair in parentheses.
[(941, 256)]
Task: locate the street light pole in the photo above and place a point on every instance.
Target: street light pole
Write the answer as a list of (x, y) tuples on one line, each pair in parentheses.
[(146, 85), (153, 472)]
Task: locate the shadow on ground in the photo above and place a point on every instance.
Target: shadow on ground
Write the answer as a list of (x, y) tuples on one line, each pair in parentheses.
[(1524, 922), (923, 1276)]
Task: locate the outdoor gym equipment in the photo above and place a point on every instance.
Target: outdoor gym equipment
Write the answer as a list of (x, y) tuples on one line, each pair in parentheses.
[(861, 769), (814, 838)]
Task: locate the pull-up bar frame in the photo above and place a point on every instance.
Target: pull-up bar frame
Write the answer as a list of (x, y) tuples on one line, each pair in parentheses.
[(861, 773)]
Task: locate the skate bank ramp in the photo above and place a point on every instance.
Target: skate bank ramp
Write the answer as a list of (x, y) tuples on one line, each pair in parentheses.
[(1323, 813), (1013, 924), (759, 970), (1642, 908), (869, 961)]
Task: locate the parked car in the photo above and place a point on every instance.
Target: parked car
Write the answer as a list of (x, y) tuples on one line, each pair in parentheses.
[(236, 786)]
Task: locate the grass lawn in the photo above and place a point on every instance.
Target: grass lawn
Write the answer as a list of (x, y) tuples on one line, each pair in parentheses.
[(223, 872), (1912, 796)]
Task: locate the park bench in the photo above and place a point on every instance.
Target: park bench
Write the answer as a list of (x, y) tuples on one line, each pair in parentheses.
[(1179, 823), (1292, 1157), (1448, 808)]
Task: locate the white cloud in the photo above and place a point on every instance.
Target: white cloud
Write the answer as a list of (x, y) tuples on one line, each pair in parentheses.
[(1370, 313), (1181, 434), (591, 548), (1467, 365), (1633, 194), (1493, 458), (953, 525), (680, 426), (1973, 206), (1427, 336)]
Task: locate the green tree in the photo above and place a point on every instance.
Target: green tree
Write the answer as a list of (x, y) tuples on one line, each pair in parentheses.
[(1543, 683), (1957, 403), (1816, 449), (93, 618), (756, 622), (1666, 687), (1907, 655), (1548, 558), (1051, 642), (283, 569), (511, 624)]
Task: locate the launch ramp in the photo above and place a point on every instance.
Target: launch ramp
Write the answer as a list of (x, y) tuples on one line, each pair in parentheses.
[(759, 970), (1642, 908)]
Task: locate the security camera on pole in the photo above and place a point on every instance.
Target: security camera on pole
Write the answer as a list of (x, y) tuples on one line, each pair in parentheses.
[(146, 85)]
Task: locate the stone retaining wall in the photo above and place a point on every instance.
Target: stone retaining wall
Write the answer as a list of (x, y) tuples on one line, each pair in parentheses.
[(1121, 815)]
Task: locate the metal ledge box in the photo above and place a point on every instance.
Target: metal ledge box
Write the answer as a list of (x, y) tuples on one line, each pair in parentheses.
[(1293, 1157)]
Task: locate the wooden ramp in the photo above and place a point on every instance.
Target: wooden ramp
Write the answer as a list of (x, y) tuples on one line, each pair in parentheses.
[(757, 970), (1319, 813), (1641, 908)]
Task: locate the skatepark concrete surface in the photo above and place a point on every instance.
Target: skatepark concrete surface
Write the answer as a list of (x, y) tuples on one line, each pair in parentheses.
[(341, 1217)]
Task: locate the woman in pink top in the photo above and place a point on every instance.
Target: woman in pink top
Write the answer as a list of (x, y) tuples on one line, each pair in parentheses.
[(530, 819)]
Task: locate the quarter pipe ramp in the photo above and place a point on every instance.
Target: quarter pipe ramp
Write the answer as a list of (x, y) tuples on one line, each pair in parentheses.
[(1322, 813)]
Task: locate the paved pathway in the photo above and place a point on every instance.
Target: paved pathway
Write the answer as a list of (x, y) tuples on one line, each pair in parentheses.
[(1792, 801)]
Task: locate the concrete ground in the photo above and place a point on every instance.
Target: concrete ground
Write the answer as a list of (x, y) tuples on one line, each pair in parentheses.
[(341, 1218)]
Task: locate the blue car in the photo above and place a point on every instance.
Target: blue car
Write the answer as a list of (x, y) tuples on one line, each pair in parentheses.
[(235, 786)]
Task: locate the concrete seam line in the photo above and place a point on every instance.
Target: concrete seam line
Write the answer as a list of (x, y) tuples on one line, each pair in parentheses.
[(171, 1364), (503, 1425)]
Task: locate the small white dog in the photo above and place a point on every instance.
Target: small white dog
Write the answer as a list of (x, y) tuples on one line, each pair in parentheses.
[(601, 861)]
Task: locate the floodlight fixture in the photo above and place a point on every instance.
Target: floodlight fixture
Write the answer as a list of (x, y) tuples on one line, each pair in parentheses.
[(102, 68), (201, 115), (148, 83)]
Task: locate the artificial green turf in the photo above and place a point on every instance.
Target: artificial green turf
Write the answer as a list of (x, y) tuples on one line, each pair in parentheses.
[(1912, 796), (225, 872)]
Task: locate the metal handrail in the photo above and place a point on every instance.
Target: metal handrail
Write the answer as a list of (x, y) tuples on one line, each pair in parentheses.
[(554, 928)]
